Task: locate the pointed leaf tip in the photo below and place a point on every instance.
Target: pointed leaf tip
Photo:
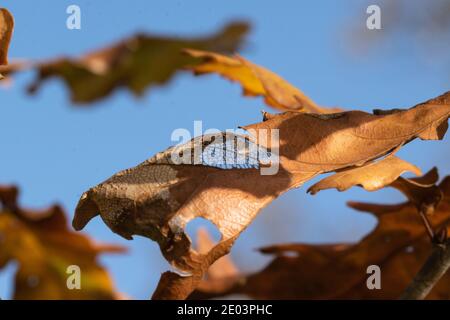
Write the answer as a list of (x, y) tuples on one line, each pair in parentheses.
[(85, 211)]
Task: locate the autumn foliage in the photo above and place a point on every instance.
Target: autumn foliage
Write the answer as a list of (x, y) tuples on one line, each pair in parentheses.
[(157, 198)]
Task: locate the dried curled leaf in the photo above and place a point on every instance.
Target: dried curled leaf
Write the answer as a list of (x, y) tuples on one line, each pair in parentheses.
[(371, 177), (398, 245), (43, 246), (135, 63), (157, 198), (323, 143), (6, 30), (255, 81)]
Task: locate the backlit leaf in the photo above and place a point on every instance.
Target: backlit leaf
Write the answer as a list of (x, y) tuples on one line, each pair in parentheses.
[(371, 177), (157, 198), (256, 81)]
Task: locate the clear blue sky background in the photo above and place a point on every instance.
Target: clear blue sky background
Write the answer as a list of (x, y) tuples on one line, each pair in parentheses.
[(55, 151)]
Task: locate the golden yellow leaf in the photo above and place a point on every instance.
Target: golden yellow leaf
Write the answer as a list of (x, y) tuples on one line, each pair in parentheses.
[(255, 81), (44, 248)]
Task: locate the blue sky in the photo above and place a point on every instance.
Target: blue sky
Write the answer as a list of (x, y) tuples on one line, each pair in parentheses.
[(55, 151)]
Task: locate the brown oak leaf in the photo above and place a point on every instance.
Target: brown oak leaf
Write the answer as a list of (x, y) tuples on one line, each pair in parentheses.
[(398, 245), (159, 197), (371, 177), (328, 142)]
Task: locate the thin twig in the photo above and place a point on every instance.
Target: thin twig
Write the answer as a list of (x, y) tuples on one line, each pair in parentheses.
[(434, 268), (427, 224)]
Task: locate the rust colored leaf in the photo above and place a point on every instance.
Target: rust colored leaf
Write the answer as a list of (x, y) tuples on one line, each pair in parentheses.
[(255, 81), (43, 246), (324, 143), (136, 63), (6, 30), (157, 198), (398, 245), (371, 177)]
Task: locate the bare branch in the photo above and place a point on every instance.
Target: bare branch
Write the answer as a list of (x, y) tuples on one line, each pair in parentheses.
[(434, 268)]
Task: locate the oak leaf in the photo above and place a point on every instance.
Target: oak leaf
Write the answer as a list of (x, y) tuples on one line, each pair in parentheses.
[(157, 198), (371, 177), (399, 245), (327, 142), (255, 81), (135, 63), (44, 248)]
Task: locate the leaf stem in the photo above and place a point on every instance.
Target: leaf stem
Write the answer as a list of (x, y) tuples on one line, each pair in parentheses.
[(427, 224)]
